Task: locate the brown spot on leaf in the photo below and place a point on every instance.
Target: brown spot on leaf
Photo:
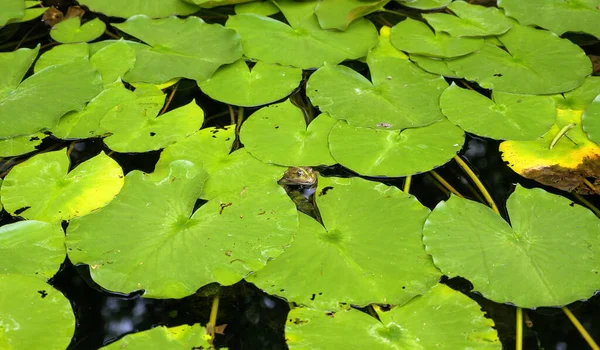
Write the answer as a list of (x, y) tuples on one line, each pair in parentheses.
[(569, 179)]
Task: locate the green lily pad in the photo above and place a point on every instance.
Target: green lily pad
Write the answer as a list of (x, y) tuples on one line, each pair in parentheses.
[(338, 14), (416, 37), (278, 134), (215, 3), (550, 241), (164, 249), (13, 66), (19, 145), (425, 4), (535, 62), (61, 54), (32, 248), (11, 10), (196, 52), (558, 16), (41, 189), (263, 8), (394, 153), (150, 8), (71, 31), (350, 260), (591, 120), (113, 61), (470, 20), (182, 337), (505, 117), (433, 65), (34, 315), (303, 43), (134, 127), (441, 319), (237, 84), (580, 98), (55, 90)]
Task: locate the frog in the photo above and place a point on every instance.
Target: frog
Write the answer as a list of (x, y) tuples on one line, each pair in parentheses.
[(300, 183)]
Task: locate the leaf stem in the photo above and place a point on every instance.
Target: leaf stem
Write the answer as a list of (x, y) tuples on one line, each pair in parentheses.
[(478, 183), (519, 330), (591, 185), (171, 95), (407, 182), (445, 183), (111, 34), (212, 320), (586, 203), (584, 333)]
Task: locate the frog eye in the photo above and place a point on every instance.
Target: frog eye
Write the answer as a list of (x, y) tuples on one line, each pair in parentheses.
[(299, 172)]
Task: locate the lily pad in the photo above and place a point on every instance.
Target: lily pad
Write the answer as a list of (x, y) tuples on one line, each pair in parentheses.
[(150, 8), (113, 61), (433, 65), (441, 319), (164, 249), (71, 31), (41, 188), (278, 134), (263, 8), (237, 84), (19, 145), (394, 153), (591, 120), (535, 62), (196, 52), (13, 66), (11, 10), (416, 37), (351, 260), (559, 16), (303, 43), (61, 54), (182, 337), (34, 315), (548, 241), (505, 116), (338, 14), (425, 4), (134, 127), (470, 20), (215, 3)]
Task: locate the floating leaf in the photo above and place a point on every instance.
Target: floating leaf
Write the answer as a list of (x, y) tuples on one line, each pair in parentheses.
[(215, 3), (113, 61), (263, 8), (278, 134), (182, 337), (34, 315), (505, 116), (164, 249), (558, 16), (550, 241), (19, 145), (417, 38), (61, 54), (425, 4), (433, 65), (41, 189), (32, 248), (442, 318), (196, 52), (338, 14), (150, 8), (303, 43), (11, 10), (591, 120), (134, 127), (534, 62), (13, 66), (71, 31), (237, 84), (470, 20), (350, 260), (394, 153)]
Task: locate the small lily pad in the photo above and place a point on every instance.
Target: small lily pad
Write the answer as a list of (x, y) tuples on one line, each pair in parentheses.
[(237, 84), (338, 14), (425, 4), (175, 338), (470, 20), (278, 134), (505, 117), (150, 8), (416, 37), (71, 31), (19, 145), (13, 66), (41, 188), (548, 241), (263, 8), (394, 153), (113, 61)]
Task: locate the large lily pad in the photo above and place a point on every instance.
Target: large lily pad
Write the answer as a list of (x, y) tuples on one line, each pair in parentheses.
[(548, 241), (61, 54), (470, 20), (42, 188), (350, 260), (164, 249), (506, 116), (32, 248), (394, 153), (13, 66), (11, 10), (303, 43), (417, 38), (534, 62), (196, 52), (441, 319), (262, 7), (278, 134), (338, 14), (182, 337), (34, 315), (19, 145), (71, 31), (150, 8), (559, 16), (113, 61), (237, 84)]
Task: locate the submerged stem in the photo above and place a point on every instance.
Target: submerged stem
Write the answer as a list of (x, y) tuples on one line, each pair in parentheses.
[(584, 333), (586, 203), (445, 184), (591, 186), (478, 183)]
